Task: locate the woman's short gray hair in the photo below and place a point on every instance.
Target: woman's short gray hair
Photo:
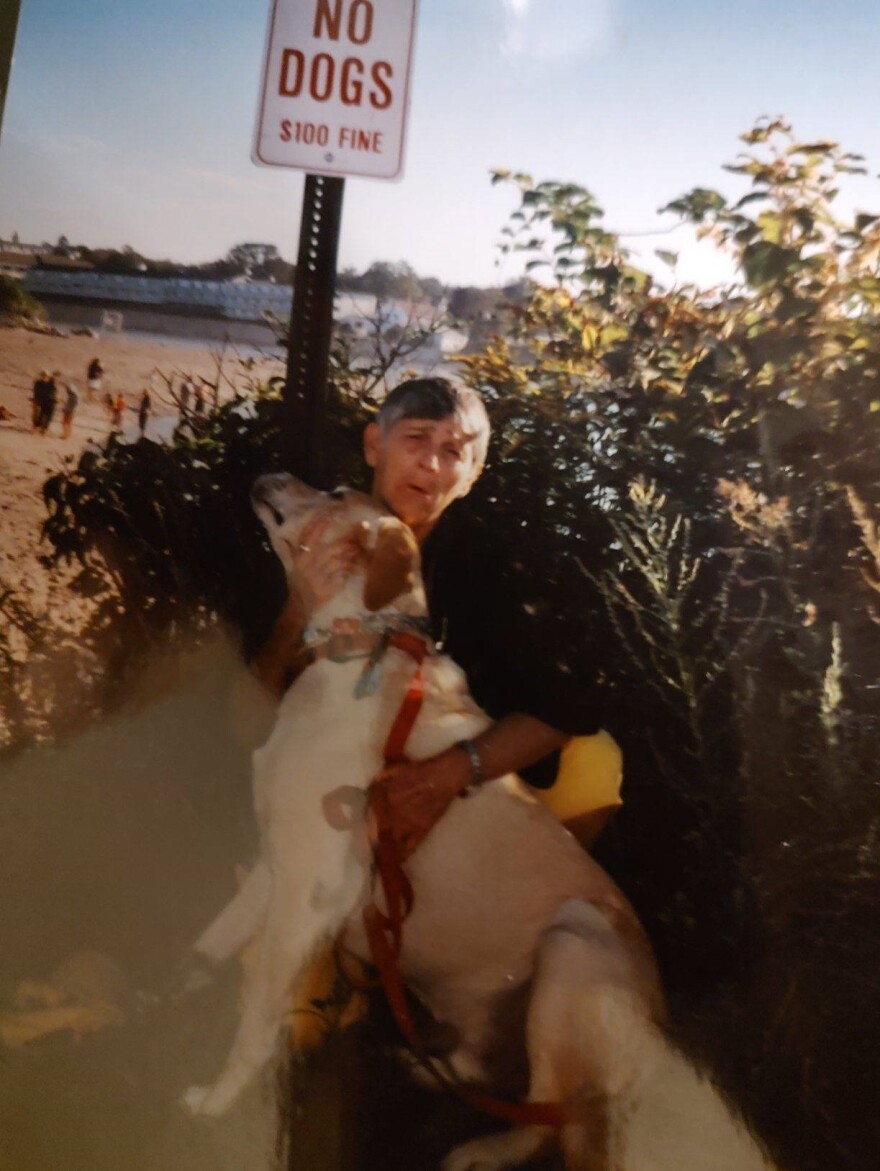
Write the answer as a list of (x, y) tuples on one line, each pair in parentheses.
[(438, 398)]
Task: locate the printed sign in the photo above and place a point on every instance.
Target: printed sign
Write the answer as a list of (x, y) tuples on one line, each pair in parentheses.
[(335, 88)]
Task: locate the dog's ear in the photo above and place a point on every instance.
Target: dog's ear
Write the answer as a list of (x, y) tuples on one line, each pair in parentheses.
[(390, 564)]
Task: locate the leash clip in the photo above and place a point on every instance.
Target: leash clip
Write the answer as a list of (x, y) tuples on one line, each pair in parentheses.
[(368, 682)]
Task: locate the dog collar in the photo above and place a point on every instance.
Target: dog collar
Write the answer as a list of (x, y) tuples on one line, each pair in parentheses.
[(367, 636), (357, 637)]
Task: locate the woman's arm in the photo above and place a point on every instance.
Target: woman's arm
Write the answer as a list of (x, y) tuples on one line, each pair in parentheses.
[(275, 665), (419, 792)]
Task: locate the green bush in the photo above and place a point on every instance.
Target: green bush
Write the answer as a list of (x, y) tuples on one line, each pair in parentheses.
[(16, 303)]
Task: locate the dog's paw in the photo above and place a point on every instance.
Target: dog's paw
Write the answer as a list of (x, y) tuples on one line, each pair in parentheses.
[(507, 1149), (194, 1099), (207, 1101), (214, 1100), (493, 1152), (470, 1157)]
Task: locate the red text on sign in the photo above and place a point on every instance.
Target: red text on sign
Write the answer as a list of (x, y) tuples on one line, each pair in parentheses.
[(358, 28), (318, 134), (307, 132), (320, 76), (353, 139)]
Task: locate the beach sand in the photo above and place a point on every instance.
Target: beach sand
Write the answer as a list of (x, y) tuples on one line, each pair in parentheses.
[(130, 364)]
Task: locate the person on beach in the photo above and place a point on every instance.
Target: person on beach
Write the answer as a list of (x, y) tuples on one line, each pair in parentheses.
[(68, 409), (117, 407), (49, 401), (39, 399), (186, 390), (94, 378), (143, 410)]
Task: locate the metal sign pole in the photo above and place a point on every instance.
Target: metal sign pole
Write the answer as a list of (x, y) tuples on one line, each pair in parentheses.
[(311, 328)]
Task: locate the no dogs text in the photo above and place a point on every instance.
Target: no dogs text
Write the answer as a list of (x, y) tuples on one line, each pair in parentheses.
[(322, 76)]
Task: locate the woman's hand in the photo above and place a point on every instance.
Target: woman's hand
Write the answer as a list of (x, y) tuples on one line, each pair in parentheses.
[(419, 793), (321, 568)]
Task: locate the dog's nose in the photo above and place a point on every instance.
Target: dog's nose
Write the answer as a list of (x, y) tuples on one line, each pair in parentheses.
[(269, 485)]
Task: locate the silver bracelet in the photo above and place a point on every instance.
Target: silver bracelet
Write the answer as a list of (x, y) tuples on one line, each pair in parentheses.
[(477, 774)]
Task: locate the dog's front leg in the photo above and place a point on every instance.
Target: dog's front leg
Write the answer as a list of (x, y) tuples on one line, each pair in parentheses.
[(290, 936), (240, 919)]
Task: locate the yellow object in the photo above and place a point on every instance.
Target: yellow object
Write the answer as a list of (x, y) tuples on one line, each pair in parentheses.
[(323, 1000), (589, 778)]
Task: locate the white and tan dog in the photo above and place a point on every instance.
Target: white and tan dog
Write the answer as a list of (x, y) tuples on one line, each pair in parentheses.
[(512, 920)]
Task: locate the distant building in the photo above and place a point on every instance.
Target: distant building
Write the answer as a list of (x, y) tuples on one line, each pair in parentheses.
[(16, 258), (15, 245), (237, 310), (70, 280), (359, 313), (14, 263), (63, 262)]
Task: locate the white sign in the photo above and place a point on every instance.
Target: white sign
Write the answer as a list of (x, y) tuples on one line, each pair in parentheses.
[(335, 88)]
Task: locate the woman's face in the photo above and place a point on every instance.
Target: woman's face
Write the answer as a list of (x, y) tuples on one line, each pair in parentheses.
[(419, 467)]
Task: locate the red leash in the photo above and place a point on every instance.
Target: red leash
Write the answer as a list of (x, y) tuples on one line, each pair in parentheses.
[(385, 930)]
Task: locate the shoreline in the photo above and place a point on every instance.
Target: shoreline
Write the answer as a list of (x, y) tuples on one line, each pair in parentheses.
[(131, 363)]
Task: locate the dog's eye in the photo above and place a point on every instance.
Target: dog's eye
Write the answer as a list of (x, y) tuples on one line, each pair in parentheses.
[(338, 494), (279, 516)]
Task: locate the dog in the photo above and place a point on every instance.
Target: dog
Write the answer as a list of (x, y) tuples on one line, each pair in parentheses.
[(512, 920)]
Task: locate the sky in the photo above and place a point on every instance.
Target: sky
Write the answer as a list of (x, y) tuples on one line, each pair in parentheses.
[(132, 123)]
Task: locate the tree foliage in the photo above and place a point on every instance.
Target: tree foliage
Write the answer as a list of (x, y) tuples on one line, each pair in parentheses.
[(729, 440), (396, 280)]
